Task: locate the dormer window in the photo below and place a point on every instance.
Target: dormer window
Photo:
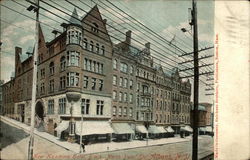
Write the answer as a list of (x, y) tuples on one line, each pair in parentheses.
[(94, 28)]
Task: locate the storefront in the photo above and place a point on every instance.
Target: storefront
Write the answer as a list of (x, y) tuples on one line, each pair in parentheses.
[(94, 131), (140, 132), (153, 132), (163, 133), (170, 131), (186, 130), (122, 132), (62, 130)]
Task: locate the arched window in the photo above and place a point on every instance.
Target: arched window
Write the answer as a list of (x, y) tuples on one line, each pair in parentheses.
[(63, 63), (85, 43), (51, 68), (91, 46), (97, 48), (103, 50), (114, 64), (114, 111)]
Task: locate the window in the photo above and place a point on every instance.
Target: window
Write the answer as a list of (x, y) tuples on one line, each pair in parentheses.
[(62, 82), (103, 50), (85, 81), (121, 81), (120, 111), (43, 73), (130, 112), (85, 43), (114, 95), (138, 87), (114, 80), (51, 68), (120, 96), (62, 106), (93, 83), (85, 106), (73, 79), (125, 111), (125, 84), (63, 63), (73, 58), (42, 88), (124, 67), (114, 64), (99, 107), (131, 98), (51, 85), (74, 36), (131, 70), (114, 111), (97, 48), (91, 47), (50, 107), (125, 97), (93, 66), (131, 84), (100, 85), (94, 28)]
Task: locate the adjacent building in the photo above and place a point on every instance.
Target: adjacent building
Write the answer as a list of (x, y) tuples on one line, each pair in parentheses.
[(86, 85)]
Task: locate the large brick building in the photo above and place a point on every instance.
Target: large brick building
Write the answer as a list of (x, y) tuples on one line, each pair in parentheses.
[(117, 88)]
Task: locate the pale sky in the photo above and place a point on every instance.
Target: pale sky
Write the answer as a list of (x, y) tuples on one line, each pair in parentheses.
[(165, 17)]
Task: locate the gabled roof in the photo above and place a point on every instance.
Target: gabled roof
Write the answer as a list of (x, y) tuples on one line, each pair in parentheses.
[(74, 19)]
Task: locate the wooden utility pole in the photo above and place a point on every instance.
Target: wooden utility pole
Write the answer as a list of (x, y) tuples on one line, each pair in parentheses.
[(196, 82), (34, 82)]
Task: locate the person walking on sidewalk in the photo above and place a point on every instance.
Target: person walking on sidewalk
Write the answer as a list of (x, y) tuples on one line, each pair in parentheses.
[(83, 147)]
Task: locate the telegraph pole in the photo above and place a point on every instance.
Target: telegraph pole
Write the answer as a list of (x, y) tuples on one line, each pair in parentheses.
[(196, 82), (34, 82)]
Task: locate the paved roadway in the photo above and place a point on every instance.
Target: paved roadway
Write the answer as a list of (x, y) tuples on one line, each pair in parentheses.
[(14, 144)]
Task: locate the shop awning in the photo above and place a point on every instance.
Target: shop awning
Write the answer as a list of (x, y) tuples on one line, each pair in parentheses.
[(93, 127), (153, 129), (170, 129), (187, 128), (62, 126), (161, 129), (122, 128), (202, 129), (209, 129), (141, 129)]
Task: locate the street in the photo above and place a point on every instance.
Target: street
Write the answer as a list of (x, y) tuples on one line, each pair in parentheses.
[(14, 139)]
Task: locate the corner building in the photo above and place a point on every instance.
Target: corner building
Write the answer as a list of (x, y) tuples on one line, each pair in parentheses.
[(86, 85)]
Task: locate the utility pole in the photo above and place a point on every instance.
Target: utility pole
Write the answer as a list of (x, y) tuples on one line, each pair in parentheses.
[(34, 82), (196, 82)]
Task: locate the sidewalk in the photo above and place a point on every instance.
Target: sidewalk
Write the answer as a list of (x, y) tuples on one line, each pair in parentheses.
[(99, 147)]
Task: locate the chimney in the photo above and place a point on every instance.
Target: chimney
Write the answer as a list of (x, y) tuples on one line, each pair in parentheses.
[(147, 46), (18, 51), (105, 21), (128, 37)]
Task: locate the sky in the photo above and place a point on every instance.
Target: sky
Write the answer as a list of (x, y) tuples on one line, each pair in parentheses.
[(164, 17)]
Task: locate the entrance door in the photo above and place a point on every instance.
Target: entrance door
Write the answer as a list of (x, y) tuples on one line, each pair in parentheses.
[(22, 113)]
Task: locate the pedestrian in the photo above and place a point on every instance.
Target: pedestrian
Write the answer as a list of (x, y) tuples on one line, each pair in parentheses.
[(83, 147)]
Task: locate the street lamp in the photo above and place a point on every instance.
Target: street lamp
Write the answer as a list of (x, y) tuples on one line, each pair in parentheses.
[(147, 122)]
